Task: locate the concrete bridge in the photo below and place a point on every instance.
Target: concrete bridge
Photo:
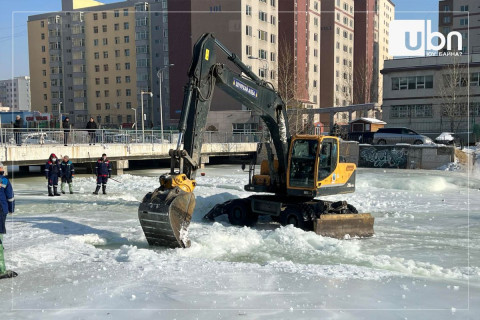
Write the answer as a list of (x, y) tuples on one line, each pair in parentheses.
[(120, 154)]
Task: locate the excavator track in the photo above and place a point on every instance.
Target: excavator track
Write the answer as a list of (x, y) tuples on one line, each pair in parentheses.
[(165, 216)]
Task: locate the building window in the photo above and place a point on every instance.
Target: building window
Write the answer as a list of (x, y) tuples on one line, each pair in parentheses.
[(98, 106), (107, 107), (104, 28), (262, 54), (412, 111), (117, 54), (117, 66), (126, 39), (126, 26), (248, 50), (263, 16), (105, 54), (464, 8), (412, 83), (105, 80), (127, 79), (105, 41), (249, 31), (97, 81), (245, 127), (97, 68), (105, 67), (464, 22), (95, 29), (97, 94), (273, 20), (272, 56), (273, 38), (95, 16), (127, 52), (118, 79), (262, 35), (125, 12), (128, 92), (248, 10), (475, 79), (116, 26), (104, 15), (116, 13), (119, 92)]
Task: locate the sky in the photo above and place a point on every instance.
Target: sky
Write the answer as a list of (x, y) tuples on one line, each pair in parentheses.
[(15, 13)]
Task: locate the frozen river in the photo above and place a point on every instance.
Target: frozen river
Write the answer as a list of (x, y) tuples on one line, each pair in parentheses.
[(85, 257)]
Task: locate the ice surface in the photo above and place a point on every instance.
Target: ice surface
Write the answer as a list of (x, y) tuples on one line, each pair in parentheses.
[(85, 256)]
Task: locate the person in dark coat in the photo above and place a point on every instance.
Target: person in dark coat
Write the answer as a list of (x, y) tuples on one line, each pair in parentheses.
[(66, 130), (7, 205), (68, 172), (52, 172), (91, 128), (17, 129), (103, 170)]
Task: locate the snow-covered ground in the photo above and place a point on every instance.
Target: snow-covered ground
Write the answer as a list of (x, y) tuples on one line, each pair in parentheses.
[(85, 257)]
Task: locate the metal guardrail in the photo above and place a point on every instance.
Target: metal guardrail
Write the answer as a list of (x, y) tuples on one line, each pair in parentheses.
[(31, 136)]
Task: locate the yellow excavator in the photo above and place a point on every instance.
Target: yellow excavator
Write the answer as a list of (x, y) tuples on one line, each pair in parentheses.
[(299, 170)]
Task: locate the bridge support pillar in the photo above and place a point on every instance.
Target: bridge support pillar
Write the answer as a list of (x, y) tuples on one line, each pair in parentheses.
[(24, 169), (119, 166), (204, 160)]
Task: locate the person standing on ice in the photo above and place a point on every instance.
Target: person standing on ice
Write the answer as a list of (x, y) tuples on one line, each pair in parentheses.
[(52, 172), (68, 172), (103, 170), (7, 202)]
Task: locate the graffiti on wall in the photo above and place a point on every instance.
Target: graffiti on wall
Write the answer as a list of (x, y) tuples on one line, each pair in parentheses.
[(383, 157)]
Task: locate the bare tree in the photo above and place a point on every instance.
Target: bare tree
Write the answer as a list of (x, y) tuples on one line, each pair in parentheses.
[(452, 93), (288, 88)]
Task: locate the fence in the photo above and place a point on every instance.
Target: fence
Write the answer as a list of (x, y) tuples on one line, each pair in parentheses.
[(35, 136)]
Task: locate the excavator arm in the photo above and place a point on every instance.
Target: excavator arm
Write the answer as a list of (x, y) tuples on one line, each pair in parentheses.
[(166, 213)]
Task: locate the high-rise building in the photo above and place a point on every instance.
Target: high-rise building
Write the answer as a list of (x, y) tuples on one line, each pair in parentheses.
[(299, 51), (248, 28), (94, 60), (366, 43), (337, 44), (386, 14), (15, 93), (460, 16)]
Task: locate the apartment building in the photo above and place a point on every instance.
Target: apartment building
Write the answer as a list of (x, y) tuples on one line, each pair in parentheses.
[(249, 28), (299, 51), (15, 94), (337, 67), (433, 94), (94, 60), (462, 16)]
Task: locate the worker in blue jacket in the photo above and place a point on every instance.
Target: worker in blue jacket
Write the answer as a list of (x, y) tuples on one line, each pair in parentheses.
[(7, 205), (68, 172), (103, 170), (52, 172)]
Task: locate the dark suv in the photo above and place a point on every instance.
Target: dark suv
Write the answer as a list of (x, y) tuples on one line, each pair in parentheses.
[(399, 135)]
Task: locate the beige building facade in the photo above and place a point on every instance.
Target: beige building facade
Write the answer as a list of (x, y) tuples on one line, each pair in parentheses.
[(94, 60)]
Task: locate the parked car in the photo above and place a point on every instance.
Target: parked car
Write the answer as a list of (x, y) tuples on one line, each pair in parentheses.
[(399, 135), (38, 138)]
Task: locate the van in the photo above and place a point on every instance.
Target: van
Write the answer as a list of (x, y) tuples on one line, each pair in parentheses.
[(399, 135)]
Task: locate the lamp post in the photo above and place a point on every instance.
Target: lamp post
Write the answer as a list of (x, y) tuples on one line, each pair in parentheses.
[(135, 124), (143, 116), (60, 114), (265, 66), (160, 76)]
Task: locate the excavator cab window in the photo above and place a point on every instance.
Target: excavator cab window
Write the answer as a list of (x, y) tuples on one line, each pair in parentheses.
[(302, 167), (328, 158)]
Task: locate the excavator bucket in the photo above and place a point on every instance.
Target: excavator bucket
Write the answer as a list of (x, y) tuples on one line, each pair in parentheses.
[(340, 225), (165, 217)]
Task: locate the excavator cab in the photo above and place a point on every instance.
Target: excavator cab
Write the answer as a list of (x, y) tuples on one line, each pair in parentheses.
[(315, 167)]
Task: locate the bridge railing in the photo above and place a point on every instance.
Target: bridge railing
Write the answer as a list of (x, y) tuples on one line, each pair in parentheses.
[(34, 136)]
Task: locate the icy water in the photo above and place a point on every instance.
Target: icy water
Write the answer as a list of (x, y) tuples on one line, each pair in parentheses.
[(85, 257)]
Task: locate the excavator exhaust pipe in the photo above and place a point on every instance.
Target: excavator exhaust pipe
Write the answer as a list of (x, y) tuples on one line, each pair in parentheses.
[(165, 217), (340, 225)]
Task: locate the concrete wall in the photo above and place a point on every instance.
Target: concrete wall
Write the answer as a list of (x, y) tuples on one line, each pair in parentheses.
[(405, 156)]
